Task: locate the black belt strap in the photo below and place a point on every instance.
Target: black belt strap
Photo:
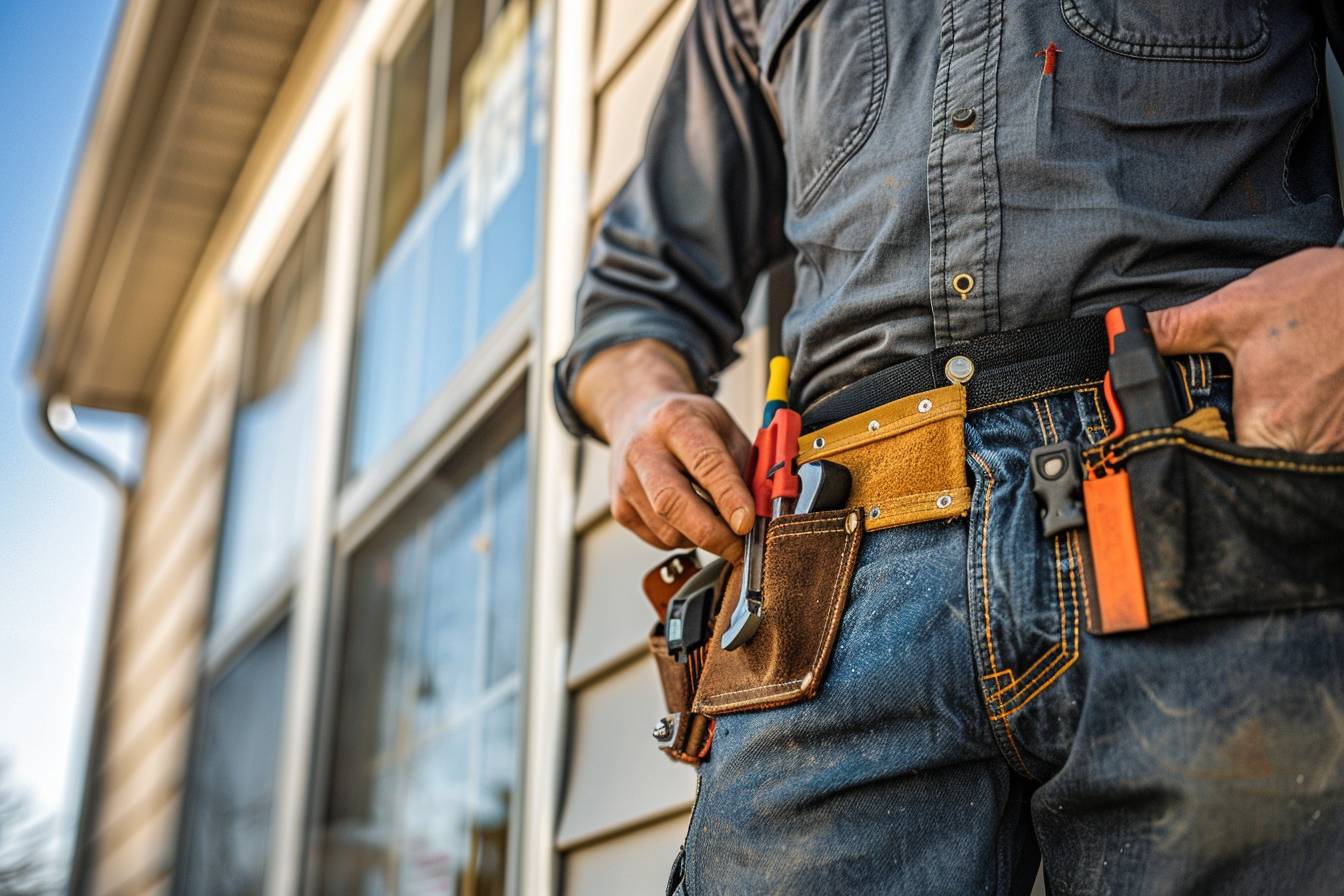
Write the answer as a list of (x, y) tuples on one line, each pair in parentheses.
[(1038, 360)]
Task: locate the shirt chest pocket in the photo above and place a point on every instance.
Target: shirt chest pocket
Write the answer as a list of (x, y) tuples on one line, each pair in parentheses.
[(1198, 30), (825, 65)]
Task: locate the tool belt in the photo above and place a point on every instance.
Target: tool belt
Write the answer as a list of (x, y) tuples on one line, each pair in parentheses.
[(1181, 522)]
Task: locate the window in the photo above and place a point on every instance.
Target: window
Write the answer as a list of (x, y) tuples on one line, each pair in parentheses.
[(228, 806), (456, 216), (424, 757), (269, 476)]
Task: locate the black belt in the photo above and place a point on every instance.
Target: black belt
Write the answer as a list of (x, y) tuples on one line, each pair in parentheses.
[(1039, 360)]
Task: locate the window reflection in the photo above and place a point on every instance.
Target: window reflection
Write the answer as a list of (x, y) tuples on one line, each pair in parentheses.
[(228, 808), (424, 760), (456, 241), (273, 430)]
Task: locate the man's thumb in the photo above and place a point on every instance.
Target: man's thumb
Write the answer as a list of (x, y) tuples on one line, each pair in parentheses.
[(1186, 329)]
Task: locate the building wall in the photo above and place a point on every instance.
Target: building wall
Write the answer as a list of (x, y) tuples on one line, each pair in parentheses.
[(164, 585), (154, 646)]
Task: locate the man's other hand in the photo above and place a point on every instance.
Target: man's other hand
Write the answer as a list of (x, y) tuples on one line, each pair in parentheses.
[(641, 399), (1282, 327)]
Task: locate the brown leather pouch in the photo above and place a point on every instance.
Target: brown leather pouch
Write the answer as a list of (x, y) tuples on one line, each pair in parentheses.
[(809, 563)]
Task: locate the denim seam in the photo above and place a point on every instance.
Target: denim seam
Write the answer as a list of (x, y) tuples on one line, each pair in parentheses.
[(1033, 673), (991, 709), (1042, 394), (1059, 652), (984, 559), (1014, 681), (1082, 578), (1138, 443), (1066, 660)]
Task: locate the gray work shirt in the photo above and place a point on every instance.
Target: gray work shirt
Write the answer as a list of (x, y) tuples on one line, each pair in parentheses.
[(943, 170)]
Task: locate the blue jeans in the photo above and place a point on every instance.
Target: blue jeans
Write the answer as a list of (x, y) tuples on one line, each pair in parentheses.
[(969, 728)]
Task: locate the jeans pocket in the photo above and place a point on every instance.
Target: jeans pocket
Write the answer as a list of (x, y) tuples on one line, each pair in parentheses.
[(1217, 528), (809, 564)]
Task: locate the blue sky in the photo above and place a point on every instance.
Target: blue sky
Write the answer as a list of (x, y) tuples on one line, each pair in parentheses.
[(57, 521)]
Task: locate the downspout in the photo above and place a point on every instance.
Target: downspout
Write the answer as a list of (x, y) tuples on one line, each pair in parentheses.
[(76, 883)]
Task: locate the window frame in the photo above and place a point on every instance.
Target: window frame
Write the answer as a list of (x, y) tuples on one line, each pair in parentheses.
[(222, 644), (508, 392), (222, 648), (511, 336)]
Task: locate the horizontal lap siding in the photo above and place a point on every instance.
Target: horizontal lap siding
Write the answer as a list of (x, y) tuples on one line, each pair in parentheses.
[(154, 648), (626, 805)]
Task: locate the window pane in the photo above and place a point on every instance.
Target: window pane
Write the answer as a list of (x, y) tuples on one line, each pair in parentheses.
[(272, 440), (423, 762), (228, 809), (404, 151), (468, 252), (489, 822), (465, 39)]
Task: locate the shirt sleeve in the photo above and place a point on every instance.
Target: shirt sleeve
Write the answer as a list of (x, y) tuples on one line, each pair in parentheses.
[(678, 250)]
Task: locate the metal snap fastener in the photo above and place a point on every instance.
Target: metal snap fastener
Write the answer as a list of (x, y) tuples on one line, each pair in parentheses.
[(963, 118), (959, 369), (925, 406), (962, 284), (874, 513), (818, 442), (944, 502), (873, 425)]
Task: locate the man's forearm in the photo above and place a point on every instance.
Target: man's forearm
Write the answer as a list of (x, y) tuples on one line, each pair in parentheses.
[(626, 375)]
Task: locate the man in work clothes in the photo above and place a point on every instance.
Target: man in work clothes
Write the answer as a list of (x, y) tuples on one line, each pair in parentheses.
[(945, 172)]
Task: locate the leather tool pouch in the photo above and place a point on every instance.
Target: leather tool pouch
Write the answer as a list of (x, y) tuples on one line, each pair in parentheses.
[(809, 564), (907, 459), (682, 734), (1220, 528)]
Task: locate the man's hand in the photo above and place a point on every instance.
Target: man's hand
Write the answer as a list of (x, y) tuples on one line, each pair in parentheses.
[(1282, 327), (640, 397)]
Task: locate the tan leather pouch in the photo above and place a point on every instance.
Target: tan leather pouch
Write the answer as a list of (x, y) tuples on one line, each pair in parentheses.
[(809, 564), (907, 458)]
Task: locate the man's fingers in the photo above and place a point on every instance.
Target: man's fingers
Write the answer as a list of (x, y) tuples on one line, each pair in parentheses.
[(1188, 329), (631, 509), (710, 462), (671, 498)]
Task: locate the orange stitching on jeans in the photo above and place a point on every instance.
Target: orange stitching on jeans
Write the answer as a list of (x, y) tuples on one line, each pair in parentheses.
[(984, 557), (1051, 416), (1082, 577), (1185, 383), (1048, 657), (1021, 398), (1032, 675), (1068, 658), (1040, 422), (1150, 443), (1012, 742), (1101, 416)]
